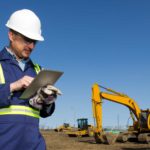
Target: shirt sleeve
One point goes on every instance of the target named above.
(5, 95)
(47, 110)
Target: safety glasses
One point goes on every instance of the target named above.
(26, 40)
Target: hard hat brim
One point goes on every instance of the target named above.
(27, 34)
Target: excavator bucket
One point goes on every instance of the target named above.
(111, 138)
(106, 138)
(100, 137)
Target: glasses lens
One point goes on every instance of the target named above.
(29, 41)
(25, 39)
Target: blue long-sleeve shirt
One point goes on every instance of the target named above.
(13, 72)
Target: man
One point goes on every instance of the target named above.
(19, 119)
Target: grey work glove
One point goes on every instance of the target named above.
(45, 95)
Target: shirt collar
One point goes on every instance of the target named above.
(14, 56)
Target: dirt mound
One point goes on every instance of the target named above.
(60, 141)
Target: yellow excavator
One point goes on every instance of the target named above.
(83, 129)
(140, 130)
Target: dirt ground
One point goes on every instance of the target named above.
(60, 141)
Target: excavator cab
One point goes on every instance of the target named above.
(82, 123)
(145, 120)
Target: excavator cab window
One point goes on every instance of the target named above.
(66, 125)
(143, 119)
(82, 123)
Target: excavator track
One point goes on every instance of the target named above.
(122, 138)
(144, 138)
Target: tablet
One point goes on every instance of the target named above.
(44, 78)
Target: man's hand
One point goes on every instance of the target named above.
(44, 96)
(36, 101)
(24, 82)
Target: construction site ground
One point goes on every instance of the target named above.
(61, 141)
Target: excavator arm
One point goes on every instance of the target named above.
(97, 108)
(124, 100)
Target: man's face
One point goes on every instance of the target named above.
(21, 45)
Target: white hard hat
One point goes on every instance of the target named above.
(27, 23)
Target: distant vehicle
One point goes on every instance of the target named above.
(63, 128)
(84, 129)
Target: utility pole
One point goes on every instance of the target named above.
(118, 121)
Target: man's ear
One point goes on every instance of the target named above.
(10, 36)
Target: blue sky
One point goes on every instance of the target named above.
(100, 41)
